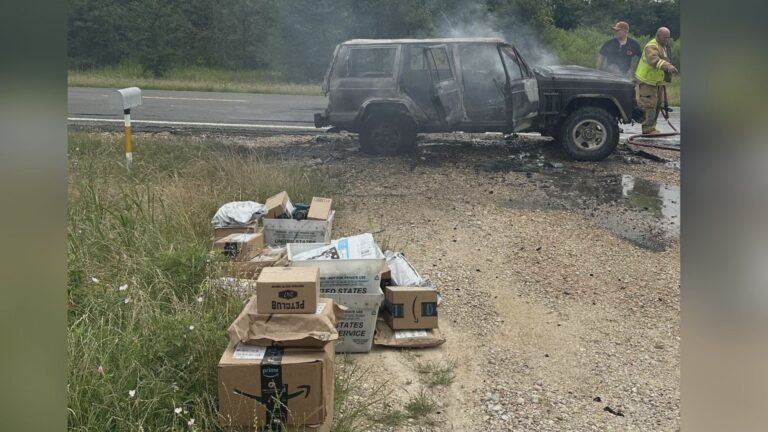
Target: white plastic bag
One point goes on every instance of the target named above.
(237, 213)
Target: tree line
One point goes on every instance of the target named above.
(297, 37)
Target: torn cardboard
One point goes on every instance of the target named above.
(319, 208)
(269, 257)
(410, 308)
(288, 290)
(240, 247)
(221, 232)
(423, 338)
(276, 386)
(279, 206)
(298, 330)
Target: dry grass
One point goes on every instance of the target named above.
(191, 78)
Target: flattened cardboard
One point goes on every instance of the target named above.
(319, 208)
(288, 290)
(409, 308)
(240, 247)
(278, 205)
(221, 232)
(296, 330)
(422, 338)
(265, 385)
(268, 257)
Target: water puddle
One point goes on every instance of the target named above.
(641, 211)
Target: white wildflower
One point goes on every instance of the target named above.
(123, 287)
(127, 300)
(177, 410)
(191, 327)
(101, 370)
(191, 422)
(131, 393)
(94, 280)
(200, 299)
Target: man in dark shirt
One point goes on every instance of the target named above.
(620, 54)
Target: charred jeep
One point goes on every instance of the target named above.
(387, 91)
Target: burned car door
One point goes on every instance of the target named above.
(522, 90)
(446, 95)
(482, 79)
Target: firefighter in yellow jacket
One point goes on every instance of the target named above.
(650, 75)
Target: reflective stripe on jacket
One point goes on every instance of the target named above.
(650, 68)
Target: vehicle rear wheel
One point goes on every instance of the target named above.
(590, 134)
(388, 133)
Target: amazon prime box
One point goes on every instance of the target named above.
(409, 308)
(276, 386)
(288, 290)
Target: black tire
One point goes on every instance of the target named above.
(387, 133)
(589, 134)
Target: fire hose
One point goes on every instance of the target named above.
(665, 110)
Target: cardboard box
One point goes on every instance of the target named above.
(288, 290)
(269, 257)
(221, 232)
(342, 276)
(295, 330)
(385, 276)
(278, 205)
(409, 308)
(276, 385)
(280, 232)
(421, 338)
(319, 209)
(240, 247)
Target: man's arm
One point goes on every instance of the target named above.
(633, 66)
(600, 62)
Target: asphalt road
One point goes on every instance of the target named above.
(187, 109)
(231, 112)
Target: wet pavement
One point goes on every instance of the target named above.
(644, 212)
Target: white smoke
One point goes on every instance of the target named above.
(475, 21)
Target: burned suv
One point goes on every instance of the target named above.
(390, 90)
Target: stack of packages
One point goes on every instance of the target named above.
(409, 313)
(286, 222)
(349, 274)
(250, 248)
(237, 235)
(278, 371)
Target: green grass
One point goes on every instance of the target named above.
(145, 329)
(436, 373)
(195, 78)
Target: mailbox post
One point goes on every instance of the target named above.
(124, 100)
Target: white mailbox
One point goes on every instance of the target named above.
(125, 99)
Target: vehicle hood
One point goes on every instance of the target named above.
(579, 73)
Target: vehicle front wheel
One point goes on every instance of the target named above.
(590, 134)
(388, 134)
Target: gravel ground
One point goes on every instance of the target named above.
(561, 279)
